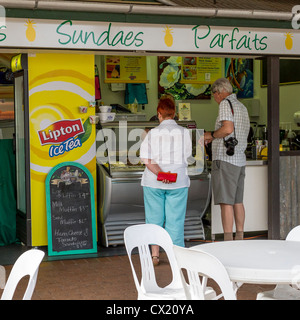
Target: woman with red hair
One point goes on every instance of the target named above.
(166, 148)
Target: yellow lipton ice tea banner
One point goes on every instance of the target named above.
(58, 85)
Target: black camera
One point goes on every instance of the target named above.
(230, 144)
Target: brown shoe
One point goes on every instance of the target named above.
(155, 261)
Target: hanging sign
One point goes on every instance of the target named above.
(201, 70)
(134, 37)
(125, 69)
(71, 217)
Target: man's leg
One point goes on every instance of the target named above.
(239, 209)
(227, 215)
(239, 217)
(228, 187)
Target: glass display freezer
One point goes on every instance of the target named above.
(119, 171)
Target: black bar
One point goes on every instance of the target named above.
(273, 148)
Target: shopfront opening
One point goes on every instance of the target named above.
(204, 42)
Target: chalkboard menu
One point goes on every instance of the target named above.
(70, 210)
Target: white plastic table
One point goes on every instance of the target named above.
(258, 261)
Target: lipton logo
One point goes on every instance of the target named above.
(60, 131)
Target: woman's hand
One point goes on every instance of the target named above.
(166, 180)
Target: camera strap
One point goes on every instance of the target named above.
(233, 115)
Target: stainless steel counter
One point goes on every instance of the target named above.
(255, 200)
(121, 204)
(248, 163)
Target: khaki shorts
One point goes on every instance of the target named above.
(227, 182)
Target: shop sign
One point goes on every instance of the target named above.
(62, 136)
(93, 35)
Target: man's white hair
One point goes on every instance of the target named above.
(222, 85)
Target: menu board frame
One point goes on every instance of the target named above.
(85, 212)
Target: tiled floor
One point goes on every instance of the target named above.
(100, 278)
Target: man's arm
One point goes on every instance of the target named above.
(226, 129)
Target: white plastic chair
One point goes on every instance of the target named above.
(294, 234)
(141, 237)
(27, 264)
(199, 263)
(283, 291)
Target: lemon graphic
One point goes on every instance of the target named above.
(30, 32)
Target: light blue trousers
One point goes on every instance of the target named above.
(167, 209)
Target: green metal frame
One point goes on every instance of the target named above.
(93, 213)
(145, 18)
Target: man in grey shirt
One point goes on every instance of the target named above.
(228, 171)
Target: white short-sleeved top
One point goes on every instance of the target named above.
(169, 145)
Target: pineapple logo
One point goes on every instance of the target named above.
(289, 41)
(30, 32)
(168, 37)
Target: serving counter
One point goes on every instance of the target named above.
(119, 172)
(255, 200)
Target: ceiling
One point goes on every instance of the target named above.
(259, 10)
(266, 5)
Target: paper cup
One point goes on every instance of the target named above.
(83, 109)
(105, 109)
(92, 103)
(93, 119)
